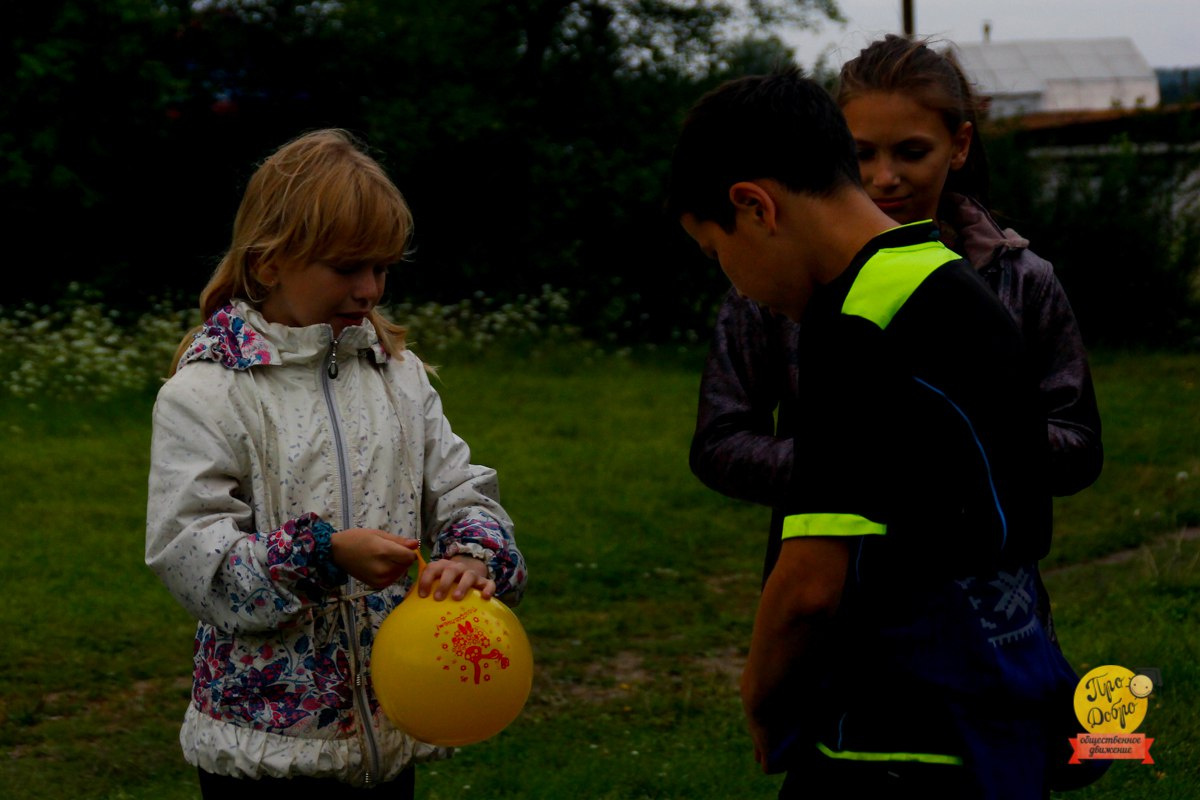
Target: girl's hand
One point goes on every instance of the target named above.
(375, 557)
(460, 574)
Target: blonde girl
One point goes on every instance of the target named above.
(300, 458)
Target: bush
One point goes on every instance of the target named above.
(476, 323)
(1121, 224)
(81, 349)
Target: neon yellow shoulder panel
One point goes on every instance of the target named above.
(890, 277)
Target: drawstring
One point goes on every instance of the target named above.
(330, 608)
(327, 608)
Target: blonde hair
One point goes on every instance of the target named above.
(320, 197)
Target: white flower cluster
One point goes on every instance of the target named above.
(79, 349)
(475, 324)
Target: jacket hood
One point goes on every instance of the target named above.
(970, 230)
(238, 337)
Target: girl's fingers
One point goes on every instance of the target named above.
(452, 583)
(445, 579)
(466, 582)
(487, 589)
(470, 580)
(429, 576)
(402, 552)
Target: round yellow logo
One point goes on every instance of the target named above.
(1110, 699)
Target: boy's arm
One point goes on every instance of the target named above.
(799, 599)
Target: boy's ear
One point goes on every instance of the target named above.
(754, 202)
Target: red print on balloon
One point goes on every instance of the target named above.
(470, 644)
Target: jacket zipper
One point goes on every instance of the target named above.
(349, 617)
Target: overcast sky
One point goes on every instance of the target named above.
(1167, 32)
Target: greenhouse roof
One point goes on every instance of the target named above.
(1027, 66)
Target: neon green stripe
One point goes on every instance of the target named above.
(830, 525)
(923, 758)
(890, 277)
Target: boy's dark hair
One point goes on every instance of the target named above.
(781, 126)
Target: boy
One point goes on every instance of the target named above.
(895, 648)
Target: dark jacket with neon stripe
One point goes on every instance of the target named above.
(751, 369)
(741, 450)
(918, 408)
(924, 444)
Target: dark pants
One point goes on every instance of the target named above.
(221, 787)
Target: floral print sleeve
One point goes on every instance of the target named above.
(300, 552)
(489, 541)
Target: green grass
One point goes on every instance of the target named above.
(1151, 478)
(1144, 612)
(643, 586)
(91, 645)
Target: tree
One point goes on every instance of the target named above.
(1117, 211)
(79, 126)
(556, 128)
(531, 137)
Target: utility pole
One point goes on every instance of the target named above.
(910, 29)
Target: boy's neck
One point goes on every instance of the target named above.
(838, 227)
(810, 240)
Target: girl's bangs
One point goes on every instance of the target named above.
(367, 221)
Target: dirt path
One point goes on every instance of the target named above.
(1123, 556)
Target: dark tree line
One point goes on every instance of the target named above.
(1115, 206)
(531, 138)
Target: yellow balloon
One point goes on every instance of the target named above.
(451, 672)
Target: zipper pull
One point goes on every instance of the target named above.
(332, 368)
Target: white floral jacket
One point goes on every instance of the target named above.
(259, 445)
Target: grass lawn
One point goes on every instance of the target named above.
(643, 586)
